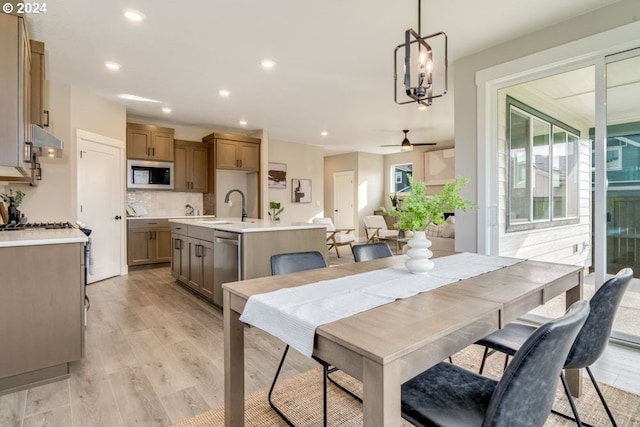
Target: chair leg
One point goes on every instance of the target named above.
(484, 359)
(604, 403)
(340, 386)
(506, 362)
(571, 403)
(273, 384)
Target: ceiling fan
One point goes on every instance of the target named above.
(406, 145)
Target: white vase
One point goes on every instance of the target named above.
(419, 254)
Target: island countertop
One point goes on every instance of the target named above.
(234, 225)
(41, 237)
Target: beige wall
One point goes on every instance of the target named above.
(71, 108)
(305, 162)
(605, 30)
(368, 193)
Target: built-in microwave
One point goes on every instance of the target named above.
(147, 175)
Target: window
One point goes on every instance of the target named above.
(542, 169)
(400, 177)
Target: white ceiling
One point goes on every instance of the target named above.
(334, 59)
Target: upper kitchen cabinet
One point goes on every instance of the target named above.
(39, 113)
(236, 152)
(191, 166)
(149, 142)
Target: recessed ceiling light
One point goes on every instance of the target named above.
(166, 110)
(113, 66)
(130, 97)
(243, 122)
(267, 64)
(133, 15)
(324, 133)
(224, 93)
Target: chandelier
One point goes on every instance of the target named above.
(419, 56)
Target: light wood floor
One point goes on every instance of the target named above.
(154, 356)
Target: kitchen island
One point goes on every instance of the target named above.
(42, 305)
(209, 252)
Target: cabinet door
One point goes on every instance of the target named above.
(179, 257)
(195, 264)
(162, 146)
(37, 82)
(199, 169)
(139, 249)
(206, 266)
(181, 168)
(138, 144)
(162, 244)
(249, 156)
(226, 154)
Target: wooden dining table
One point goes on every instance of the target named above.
(390, 344)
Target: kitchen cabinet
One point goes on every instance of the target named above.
(148, 241)
(15, 101)
(39, 114)
(235, 152)
(191, 166)
(148, 142)
(179, 253)
(41, 313)
(192, 258)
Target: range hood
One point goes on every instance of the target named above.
(46, 144)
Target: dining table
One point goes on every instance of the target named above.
(385, 346)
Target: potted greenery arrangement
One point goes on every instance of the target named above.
(419, 210)
(13, 201)
(275, 210)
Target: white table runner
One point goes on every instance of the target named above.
(292, 314)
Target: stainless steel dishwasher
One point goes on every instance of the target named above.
(227, 259)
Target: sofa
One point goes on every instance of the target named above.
(442, 236)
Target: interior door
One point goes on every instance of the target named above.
(100, 202)
(343, 203)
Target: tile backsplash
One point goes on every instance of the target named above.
(165, 203)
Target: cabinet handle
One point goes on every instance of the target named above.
(199, 251)
(148, 151)
(46, 113)
(177, 244)
(153, 151)
(240, 162)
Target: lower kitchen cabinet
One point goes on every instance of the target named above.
(148, 241)
(192, 258)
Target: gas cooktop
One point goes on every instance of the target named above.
(36, 226)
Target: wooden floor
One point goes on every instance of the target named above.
(154, 356)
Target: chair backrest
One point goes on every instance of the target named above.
(525, 394)
(296, 261)
(327, 222)
(375, 221)
(594, 336)
(371, 251)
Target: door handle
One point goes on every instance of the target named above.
(118, 217)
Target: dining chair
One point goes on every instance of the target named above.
(588, 346)
(369, 251)
(376, 228)
(291, 263)
(336, 236)
(448, 395)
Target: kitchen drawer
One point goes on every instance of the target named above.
(202, 233)
(133, 224)
(179, 229)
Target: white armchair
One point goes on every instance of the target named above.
(376, 228)
(336, 236)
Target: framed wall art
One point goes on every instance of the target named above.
(300, 190)
(277, 175)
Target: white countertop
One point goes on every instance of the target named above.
(234, 225)
(41, 237)
(169, 217)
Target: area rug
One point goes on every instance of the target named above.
(300, 397)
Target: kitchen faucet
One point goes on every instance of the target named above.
(244, 210)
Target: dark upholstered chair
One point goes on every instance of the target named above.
(371, 251)
(290, 263)
(448, 395)
(590, 343)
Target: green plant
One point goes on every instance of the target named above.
(419, 209)
(275, 209)
(17, 198)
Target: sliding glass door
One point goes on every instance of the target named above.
(622, 189)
